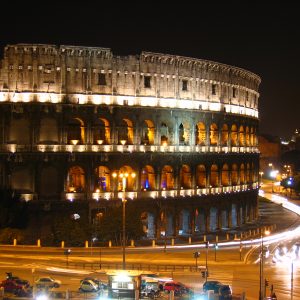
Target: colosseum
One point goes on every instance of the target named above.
(174, 136)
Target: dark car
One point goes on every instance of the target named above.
(225, 292)
(212, 285)
(98, 282)
(18, 287)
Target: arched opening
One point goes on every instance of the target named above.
(148, 223)
(199, 220)
(234, 135)
(252, 136)
(147, 179)
(242, 174)
(200, 134)
(214, 176)
(164, 134)
(148, 133)
(247, 136)
(225, 175)
(75, 180)
(224, 135)
(185, 177)
(124, 179)
(184, 222)
(181, 134)
(248, 173)
(213, 134)
(224, 219)
(102, 132)
(201, 176)
(213, 224)
(76, 131)
(241, 136)
(102, 179)
(48, 131)
(167, 178)
(125, 132)
(233, 215)
(234, 174)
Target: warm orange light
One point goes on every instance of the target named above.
(123, 142)
(99, 142)
(114, 174)
(74, 142)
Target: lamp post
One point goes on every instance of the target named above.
(260, 176)
(206, 267)
(123, 177)
(261, 264)
(67, 252)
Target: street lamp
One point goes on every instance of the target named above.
(67, 252)
(261, 173)
(261, 264)
(206, 271)
(124, 177)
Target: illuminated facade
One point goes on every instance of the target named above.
(186, 128)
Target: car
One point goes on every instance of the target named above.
(18, 287)
(177, 287)
(211, 285)
(47, 282)
(225, 292)
(97, 281)
(88, 286)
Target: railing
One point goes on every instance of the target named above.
(13, 148)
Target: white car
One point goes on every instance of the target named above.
(88, 286)
(47, 282)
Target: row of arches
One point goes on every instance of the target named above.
(103, 131)
(199, 220)
(149, 178)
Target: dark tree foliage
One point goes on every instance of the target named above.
(110, 227)
(292, 183)
(13, 211)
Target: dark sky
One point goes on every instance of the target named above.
(261, 37)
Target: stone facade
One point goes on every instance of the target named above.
(176, 135)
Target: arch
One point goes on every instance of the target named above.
(167, 178)
(248, 173)
(224, 135)
(224, 219)
(233, 215)
(148, 224)
(213, 219)
(234, 135)
(148, 133)
(241, 136)
(201, 176)
(164, 134)
(75, 180)
(181, 134)
(48, 130)
(124, 178)
(225, 175)
(49, 186)
(247, 136)
(234, 174)
(199, 220)
(213, 134)
(184, 222)
(200, 134)
(214, 176)
(185, 177)
(76, 131)
(102, 131)
(22, 180)
(19, 132)
(125, 132)
(242, 174)
(102, 179)
(147, 178)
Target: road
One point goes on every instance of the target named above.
(242, 275)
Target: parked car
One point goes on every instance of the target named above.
(177, 287)
(47, 282)
(225, 292)
(211, 285)
(97, 281)
(88, 286)
(16, 286)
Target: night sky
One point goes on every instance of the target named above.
(262, 38)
